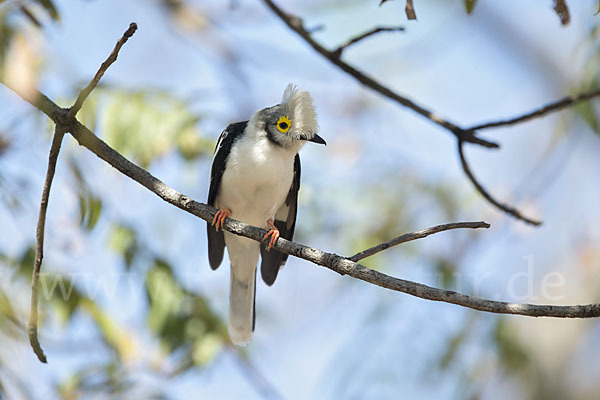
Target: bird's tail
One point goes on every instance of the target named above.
(242, 294)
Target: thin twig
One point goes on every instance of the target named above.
(504, 207)
(416, 235)
(39, 249)
(365, 35)
(334, 262)
(61, 121)
(111, 59)
(558, 105)
(295, 23)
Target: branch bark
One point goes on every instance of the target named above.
(334, 262)
(63, 120)
(66, 122)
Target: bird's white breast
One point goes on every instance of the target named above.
(256, 180)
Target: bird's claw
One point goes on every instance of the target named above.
(219, 218)
(273, 233)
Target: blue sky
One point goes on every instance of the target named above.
(320, 335)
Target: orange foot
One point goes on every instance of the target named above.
(273, 232)
(220, 217)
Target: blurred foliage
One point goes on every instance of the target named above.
(183, 320)
(392, 217)
(145, 125)
(110, 380)
(90, 204)
(4, 144)
(512, 354)
(456, 341)
(187, 329)
(123, 240)
(7, 31)
(590, 79)
(470, 5)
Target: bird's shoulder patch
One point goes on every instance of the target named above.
(222, 150)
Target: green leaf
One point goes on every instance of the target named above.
(112, 333)
(123, 240)
(470, 5)
(50, 8)
(512, 354)
(587, 112)
(6, 35)
(445, 270)
(182, 320)
(25, 262)
(90, 207)
(147, 126)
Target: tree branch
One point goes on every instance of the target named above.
(63, 120)
(111, 59)
(356, 39)
(504, 207)
(334, 262)
(66, 122)
(295, 23)
(558, 105)
(462, 134)
(414, 236)
(39, 249)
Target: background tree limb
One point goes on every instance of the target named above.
(463, 135)
(66, 122)
(334, 262)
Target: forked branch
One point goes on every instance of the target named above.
(66, 122)
(463, 135)
(63, 120)
(334, 262)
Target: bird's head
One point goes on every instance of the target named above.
(292, 122)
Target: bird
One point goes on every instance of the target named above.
(255, 178)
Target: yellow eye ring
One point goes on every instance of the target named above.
(284, 124)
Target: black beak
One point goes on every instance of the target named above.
(318, 139)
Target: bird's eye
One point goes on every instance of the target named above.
(284, 124)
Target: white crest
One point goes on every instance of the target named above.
(298, 104)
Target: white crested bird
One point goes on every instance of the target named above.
(254, 178)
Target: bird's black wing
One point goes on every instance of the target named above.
(285, 221)
(216, 240)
